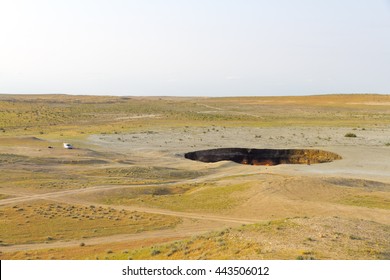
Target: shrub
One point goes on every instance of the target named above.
(350, 135)
(155, 252)
(354, 237)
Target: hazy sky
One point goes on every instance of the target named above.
(195, 47)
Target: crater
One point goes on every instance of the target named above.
(264, 156)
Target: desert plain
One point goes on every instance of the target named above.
(126, 191)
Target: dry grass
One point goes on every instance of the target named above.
(77, 116)
(48, 222)
(141, 174)
(87, 252)
(296, 238)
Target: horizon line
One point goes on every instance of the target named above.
(194, 96)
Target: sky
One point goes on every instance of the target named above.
(195, 47)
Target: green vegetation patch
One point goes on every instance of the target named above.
(271, 226)
(370, 201)
(204, 197)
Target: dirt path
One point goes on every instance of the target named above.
(48, 196)
(195, 223)
(65, 197)
(196, 216)
(180, 232)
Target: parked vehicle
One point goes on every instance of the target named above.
(68, 146)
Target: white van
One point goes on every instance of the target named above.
(68, 146)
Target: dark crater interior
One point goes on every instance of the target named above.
(264, 156)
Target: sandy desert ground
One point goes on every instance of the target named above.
(127, 192)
